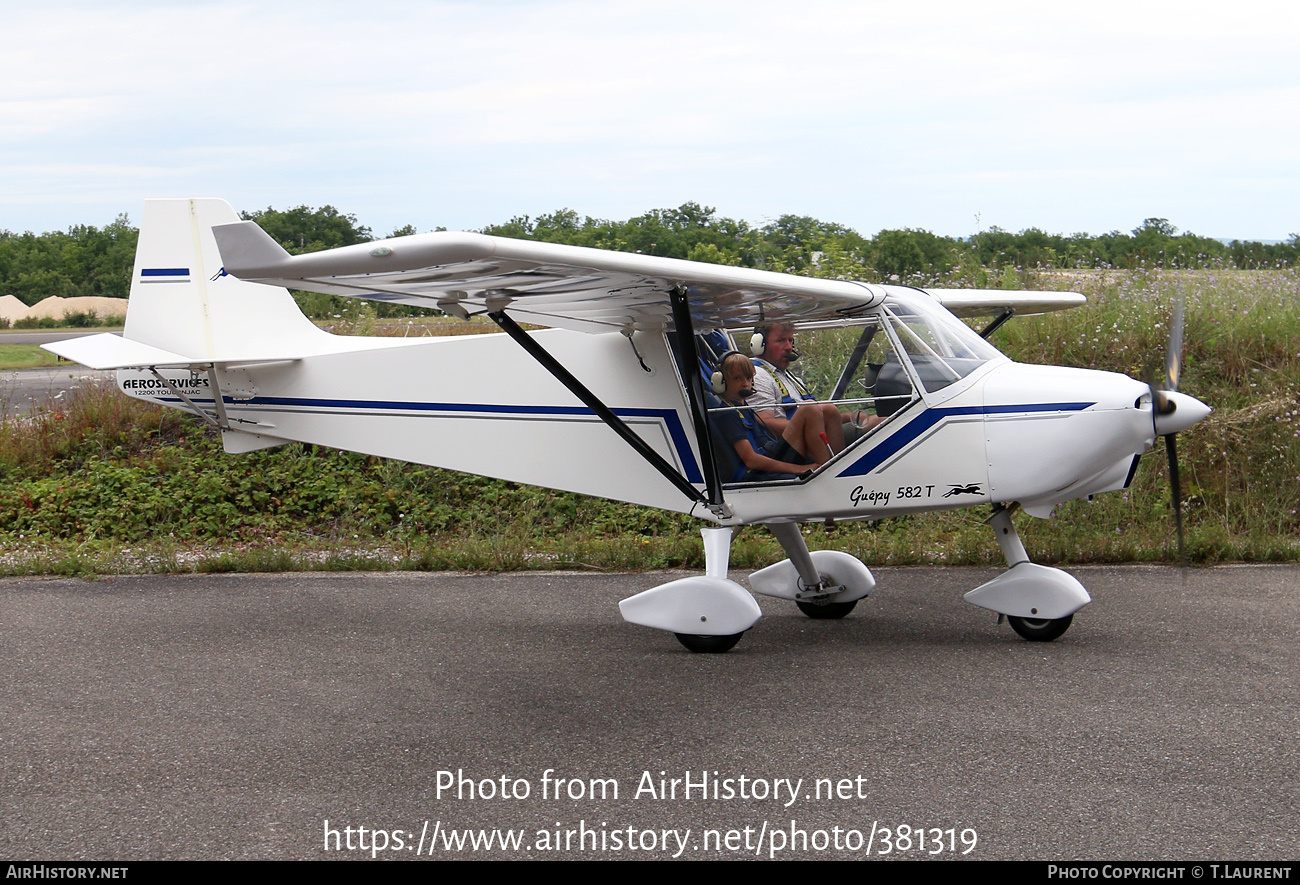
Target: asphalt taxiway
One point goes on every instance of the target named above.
(22, 390)
(232, 716)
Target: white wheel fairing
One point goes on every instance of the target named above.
(697, 606)
(1032, 591)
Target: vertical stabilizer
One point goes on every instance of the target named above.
(182, 300)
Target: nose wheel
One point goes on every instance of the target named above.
(1040, 629)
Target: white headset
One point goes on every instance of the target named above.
(716, 381)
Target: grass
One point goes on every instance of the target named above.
(99, 483)
(115, 324)
(25, 356)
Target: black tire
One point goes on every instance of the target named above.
(826, 612)
(1040, 629)
(709, 645)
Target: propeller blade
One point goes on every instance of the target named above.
(1174, 352)
(1171, 449)
(1161, 402)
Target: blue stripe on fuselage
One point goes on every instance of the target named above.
(676, 431)
(929, 418)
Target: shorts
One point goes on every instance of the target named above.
(780, 450)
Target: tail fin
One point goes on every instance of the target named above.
(183, 302)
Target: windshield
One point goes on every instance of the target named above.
(940, 347)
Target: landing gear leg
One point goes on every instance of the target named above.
(796, 548)
(825, 584)
(1008, 539)
(1039, 602)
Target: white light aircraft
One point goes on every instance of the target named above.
(611, 400)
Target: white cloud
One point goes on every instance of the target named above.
(874, 114)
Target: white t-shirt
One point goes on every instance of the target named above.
(767, 393)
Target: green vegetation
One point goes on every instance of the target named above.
(83, 261)
(101, 483)
(799, 244)
(25, 356)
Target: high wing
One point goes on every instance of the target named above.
(589, 290)
(983, 302)
(571, 287)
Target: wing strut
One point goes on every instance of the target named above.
(591, 401)
(997, 322)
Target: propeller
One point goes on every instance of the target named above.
(1173, 411)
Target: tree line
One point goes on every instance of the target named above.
(86, 260)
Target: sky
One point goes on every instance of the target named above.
(950, 117)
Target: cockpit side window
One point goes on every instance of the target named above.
(855, 367)
(848, 371)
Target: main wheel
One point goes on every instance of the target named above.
(826, 611)
(709, 644)
(1040, 629)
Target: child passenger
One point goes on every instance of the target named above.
(800, 448)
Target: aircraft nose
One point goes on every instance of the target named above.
(1186, 411)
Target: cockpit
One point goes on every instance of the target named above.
(870, 367)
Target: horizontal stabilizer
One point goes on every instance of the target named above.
(109, 351)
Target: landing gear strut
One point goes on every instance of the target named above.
(825, 584)
(1040, 602)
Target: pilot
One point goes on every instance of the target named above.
(778, 393)
(759, 450)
